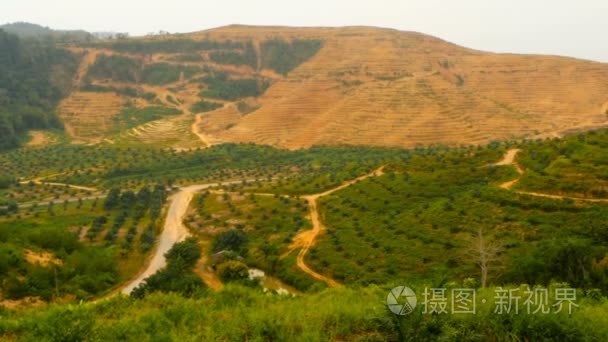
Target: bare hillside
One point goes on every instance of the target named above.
(382, 87)
(368, 86)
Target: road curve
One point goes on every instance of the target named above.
(510, 159)
(174, 230)
(307, 239)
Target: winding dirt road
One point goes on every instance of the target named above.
(174, 230)
(510, 158)
(306, 240)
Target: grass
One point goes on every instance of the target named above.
(237, 313)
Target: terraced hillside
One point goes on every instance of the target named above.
(298, 87)
(382, 87)
(88, 116)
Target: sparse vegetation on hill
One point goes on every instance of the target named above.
(162, 73)
(125, 91)
(125, 69)
(167, 45)
(222, 87)
(283, 56)
(247, 57)
(204, 106)
(114, 67)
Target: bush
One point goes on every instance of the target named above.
(232, 240)
(233, 270)
(177, 276)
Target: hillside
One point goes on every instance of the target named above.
(34, 77)
(298, 87)
(383, 87)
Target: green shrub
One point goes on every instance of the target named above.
(232, 270)
(177, 276)
(204, 106)
(232, 240)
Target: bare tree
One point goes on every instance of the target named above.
(486, 254)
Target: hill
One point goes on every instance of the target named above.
(28, 30)
(298, 87)
(370, 86)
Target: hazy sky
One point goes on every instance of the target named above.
(577, 28)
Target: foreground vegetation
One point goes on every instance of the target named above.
(419, 223)
(239, 313)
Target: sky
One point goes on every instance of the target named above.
(575, 28)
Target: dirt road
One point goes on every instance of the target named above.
(307, 239)
(510, 159)
(173, 232)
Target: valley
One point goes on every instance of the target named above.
(276, 183)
